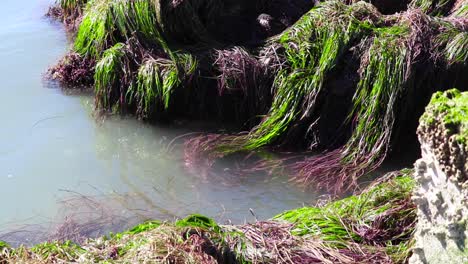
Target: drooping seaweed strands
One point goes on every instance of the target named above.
(384, 81)
(110, 82)
(156, 82)
(94, 29)
(456, 44)
(394, 45)
(312, 48)
(438, 7)
(153, 64)
(460, 9)
(372, 117)
(107, 22)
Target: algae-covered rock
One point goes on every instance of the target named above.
(444, 129)
(441, 173)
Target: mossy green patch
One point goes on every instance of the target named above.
(200, 221)
(450, 108)
(140, 228)
(149, 225)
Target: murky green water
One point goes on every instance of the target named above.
(54, 155)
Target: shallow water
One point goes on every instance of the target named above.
(54, 155)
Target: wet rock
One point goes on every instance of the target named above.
(442, 192)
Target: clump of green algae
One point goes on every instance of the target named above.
(450, 108)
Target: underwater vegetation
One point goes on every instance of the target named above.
(374, 226)
(346, 79)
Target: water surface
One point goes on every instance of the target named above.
(57, 161)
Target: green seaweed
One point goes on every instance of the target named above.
(108, 76)
(152, 23)
(450, 108)
(384, 210)
(334, 221)
(3, 245)
(64, 250)
(95, 28)
(381, 84)
(462, 10)
(146, 226)
(145, 78)
(156, 82)
(107, 22)
(312, 46)
(457, 49)
(434, 7)
(200, 221)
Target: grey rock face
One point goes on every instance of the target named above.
(441, 194)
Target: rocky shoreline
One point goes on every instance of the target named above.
(142, 60)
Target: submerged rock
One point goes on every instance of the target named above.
(441, 173)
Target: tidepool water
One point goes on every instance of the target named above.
(58, 162)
